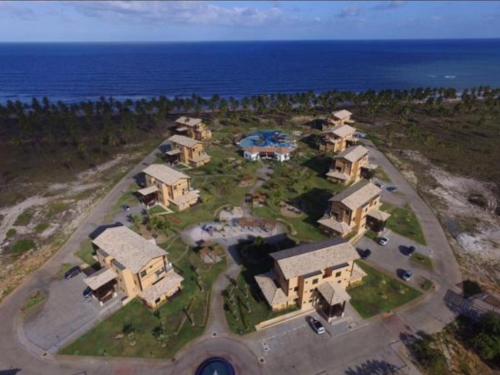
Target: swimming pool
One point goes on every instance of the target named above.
(215, 366)
(267, 139)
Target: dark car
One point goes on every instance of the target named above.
(366, 253)
(72, 272)
(410, 250)
(406, 275)
(87, 293)
(391, 188)
(316, 325)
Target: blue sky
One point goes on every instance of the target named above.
(245, 20)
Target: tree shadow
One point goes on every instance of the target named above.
(12, 371)
(311, 140)
(373, 367)
(319, 164)
(313, 203)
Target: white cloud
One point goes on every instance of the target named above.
(181, 12)
(12, 9)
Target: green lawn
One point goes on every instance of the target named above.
(421, 260)
(86, 254)
(136, 331)
(404, 222)
(379, 293)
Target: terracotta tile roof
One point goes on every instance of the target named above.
(357, 195)
(183, 141)
(338, 226)
(343, 131)
(353, 153)
(343, 114)
(188, 121)
(166, 286)
(304, 259)
(165, 174)
(272, 293)
(127, 247)
(100, 278)
(333, 293)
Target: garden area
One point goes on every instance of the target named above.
(244, 304)
(379, 293)
(136, 331)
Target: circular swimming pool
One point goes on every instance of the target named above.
(215, 366)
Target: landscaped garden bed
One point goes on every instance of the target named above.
(136, 331)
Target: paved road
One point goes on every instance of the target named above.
(362, 350)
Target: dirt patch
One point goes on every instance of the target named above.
(472, 223)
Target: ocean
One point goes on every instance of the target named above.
(85, 71)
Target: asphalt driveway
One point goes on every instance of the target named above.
(65, 315)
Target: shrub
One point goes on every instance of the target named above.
(23, 246)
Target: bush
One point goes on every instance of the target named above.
(428, 356)
(23, 246)
(486, 341)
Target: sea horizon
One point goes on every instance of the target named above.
(79, 71)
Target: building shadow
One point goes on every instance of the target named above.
(12, 371)
(101, 228)
(313, 203)
(319, 164)
(373, 367)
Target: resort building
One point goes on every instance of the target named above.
(167, 186)
(337, 139)
(193, 128)
(355, 210)
(312, 276)
(350, 165)
(132, 267)
(339, 118)
(267, 145)
(187, 151)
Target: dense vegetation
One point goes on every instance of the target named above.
(50, 140)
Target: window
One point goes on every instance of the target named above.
(338, 274)
(315, 281)
(296, 289)
(143, 273)
(157, 300)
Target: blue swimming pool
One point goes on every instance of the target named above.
(267, 138)
(215, 366)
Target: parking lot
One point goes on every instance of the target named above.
(392, 257)
(65, 315)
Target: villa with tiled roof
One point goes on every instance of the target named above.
(193, 128)
(186, 150)
(349, 165)
(354, 210)
(311, 276)
(132, 267)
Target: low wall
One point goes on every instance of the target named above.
(282, 318)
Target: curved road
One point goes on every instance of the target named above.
(431, 314)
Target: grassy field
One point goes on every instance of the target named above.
(379, 293)
(404, 222)
(86, 254)
(136, 331)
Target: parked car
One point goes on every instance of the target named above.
(366, 253)
(382, 241)
(406, 275)
(316, 325)
(72, 272)
(391, 188)
(87, 293)
(126, 207)
(409, 250)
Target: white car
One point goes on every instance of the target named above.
(382, 241)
